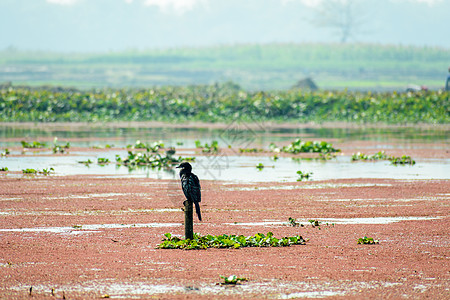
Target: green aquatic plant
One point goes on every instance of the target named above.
(153, 147)
(86, 162)
(33, 145)
(229, 241)
(260, 166)
(151, 159)
(60, 148)
(293, 222)
(315, 223)
(206, 148)
(403, 160)
(299, 146)
(232, 280)
(303, 175)
(367, 241)
(5, 152)
(219, 102)
(103, 161)
(34, 171)
(250, 150)
(3, 169)
(381, 155)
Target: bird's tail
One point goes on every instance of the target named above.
(197, 210)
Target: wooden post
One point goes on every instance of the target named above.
(188, 220)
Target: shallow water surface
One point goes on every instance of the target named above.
(236, 168)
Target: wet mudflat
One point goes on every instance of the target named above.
(91, 236)
(88, 235)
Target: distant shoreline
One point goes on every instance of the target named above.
(221, 125)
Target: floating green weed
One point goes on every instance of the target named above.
(206, 148)
(293, 222)
(103, 161)
(381, 155)
(403, 160)
(315, 223)
(299, 146)
(33, 145)
(232, 279)
(153, 147)
(3, 169)
(219, 102)
(250, 150)
(153, 160)
(367, 241)
(303, 175)
(229, 241)
(34, 171)
(5, 152)
(86, 162)
(260, 166)
(60, 148)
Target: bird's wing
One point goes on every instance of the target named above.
(191, 188)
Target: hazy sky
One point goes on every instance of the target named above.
(110, 25)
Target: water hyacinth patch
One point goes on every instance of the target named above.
(232, 279)
(206, 148)
(5, 152)
(34, 171)
(33, 145)
(195, 103)
(303, 175)
(229, 241)
(153, 160)
(299, 146)
(367, 241)
(381, 155)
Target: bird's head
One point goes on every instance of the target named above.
(185, 166)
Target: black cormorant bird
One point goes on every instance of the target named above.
(191, 186)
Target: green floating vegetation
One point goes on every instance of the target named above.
(103, 161)
(153, 147)
(86, 162)
(229, 241)
(250, 150)
(150, 159)
(381, 155)
(3, 169)
(315, 223)
(303, 175)
(299, 146)
(367, 241)
(33, 145)
(232, 280)
(260, 166)
(206, 148)
(219, 103)
(5, 152)
(34, 171)
(293, 222)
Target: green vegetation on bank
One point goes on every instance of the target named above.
(219, 102)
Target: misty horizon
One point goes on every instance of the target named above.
(121, 25)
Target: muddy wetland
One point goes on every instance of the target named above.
(85, 208)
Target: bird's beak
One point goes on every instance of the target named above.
(177, 167)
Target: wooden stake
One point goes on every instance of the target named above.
(188, 220)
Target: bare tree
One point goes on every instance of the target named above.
(344, 16)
